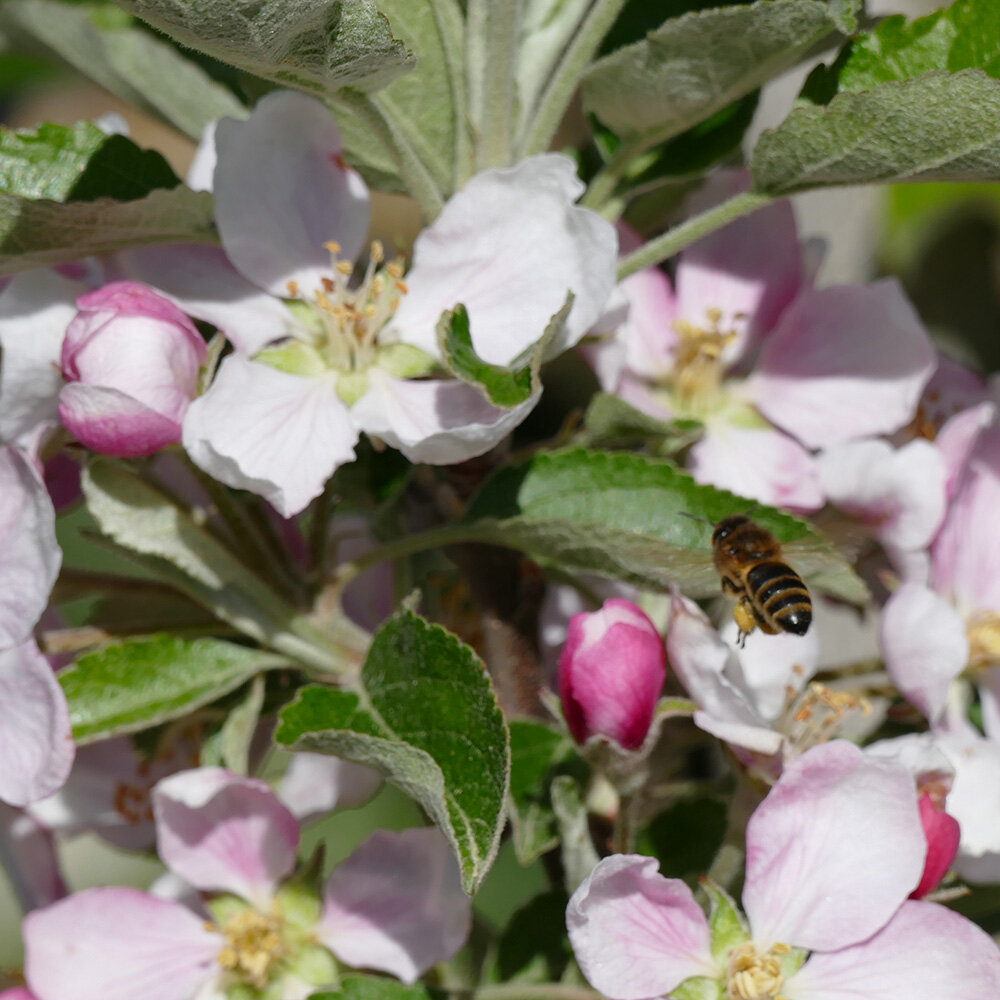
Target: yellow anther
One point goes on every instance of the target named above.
(332, 246)
(377, 251)
(254, 946)
(344, 267)
(293, 289)
(394, 269)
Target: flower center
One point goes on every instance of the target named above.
(255, 944)
(350, 314)
(984, 640)
(818, 713)
(753, 976)
(698, 367)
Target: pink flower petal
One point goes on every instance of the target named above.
(773, 665)
(957, 437)
(635, 933)
(515, 228)
(221, 831)
(764, 464)
(711, 675)
(117, 944)
(35, 309)
(434, 421)
(899, 493)
(203, 282)
(751, 269)
(396, 904)
(282, 191)
(611, 673)
(36, 740)
(924, 646)
(278, 435)
(966, 551)
(926, 952)
(943, 835)
(109, 790)
(35, 869)
(833, 850)
(844, 362)
(113, 423)
(316, 784)
(31, 556)
(648, 333)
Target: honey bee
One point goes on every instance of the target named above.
(770, 594)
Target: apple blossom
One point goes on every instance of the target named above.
(343, 358)
(36, 742)
(832, 854)
(395, 905)
(751, 697)
(131, 360)
(611, 672)
(932, 632)
(772, 367)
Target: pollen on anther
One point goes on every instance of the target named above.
(345, 267)
(328, 285)
(293, 289)
(332, 246)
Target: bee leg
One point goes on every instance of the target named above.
(746, 619)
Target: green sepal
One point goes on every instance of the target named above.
(294, 357)
(404, 360)
(726, 924)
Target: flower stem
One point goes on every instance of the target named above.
(407, 545)
(557, 95)
(686, 233)
(493, 27)
(412, 168)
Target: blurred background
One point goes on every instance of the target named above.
(942, 241)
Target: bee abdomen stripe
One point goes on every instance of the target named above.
(784, 604)
(786, 585)
(765, 573)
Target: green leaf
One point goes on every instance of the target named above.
(686, 836)
(634, 518)
(942, 126)
(141, 683)
(427, 718)
(315, 45)
(128, 61)
(692, 66)
(535, 752)
(578, 853)
(609, 420)
(78, 163)
(534, 947)
(239, 728)
(358, 987)
(46, 233)
(964, 36)
(144, 523)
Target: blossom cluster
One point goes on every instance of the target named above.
(241, 377)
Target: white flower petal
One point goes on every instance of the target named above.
(278, 435)
(438, 422)
(510, 246)
(282, 191)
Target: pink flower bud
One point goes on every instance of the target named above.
(943, 834)
(131, 360)
(611, 672)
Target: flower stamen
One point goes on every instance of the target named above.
(753, 976)
(254, 946)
